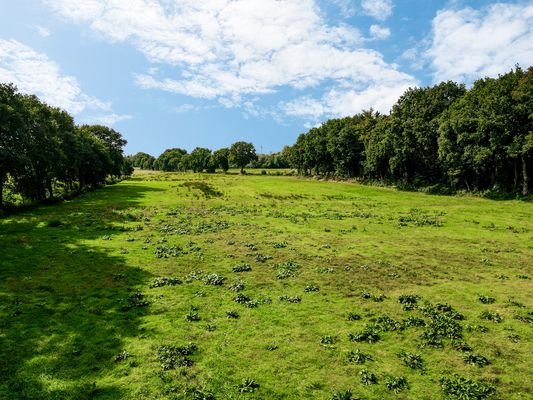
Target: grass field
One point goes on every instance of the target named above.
(277, 288)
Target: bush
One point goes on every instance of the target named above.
(369, 334)
(214, 279)
(396, 383)
(248, 385)
(358, 357)
(288, 269)
(411, 360)
(242, 268)
(458, 387)
(367, 377)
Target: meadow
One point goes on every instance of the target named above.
(222, 286)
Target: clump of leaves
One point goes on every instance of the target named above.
(408, 301)
(385, 323)
(214, 280)
(342, 395)
(122, 356)
(272, 347)
(353, 316)
(288, 269)
(414, 321)
(396, 383)
(411, 360)
(280, 245)
(242, 268)
(458, 387)
(134, 300)
(210, 327)
(328, 340)
(232, 314)
(461, 345)
(476, 359)
(358, 357)
(311, 288)
(164, 281)
(514, 338)
(237, 286)
(194, 276)
(487, 299)
(368, 334)
(367, 377)
(194, 393)
(443, 324)
(168, 251)
(193, 316)
(261, 258)
(172, 357)
(241, 298)
(290, 299)
(248, 385)
(491, 316)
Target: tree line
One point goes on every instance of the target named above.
(201, 159)
(44, 154)
(443, 137)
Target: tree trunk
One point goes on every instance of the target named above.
(525, 187)
(515, 181)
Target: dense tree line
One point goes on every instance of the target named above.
(444, 136)
(201, 159)
(42, 150)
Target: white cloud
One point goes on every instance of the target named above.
(379, 9)
(110, 119)
(469, 44)
(41, 30)
(35, 73)
(229, 50)
(338, 103)
(379, 32)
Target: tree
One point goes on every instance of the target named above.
(200, 159)
(114, 142)
(171, 160)
(221, 159)
(241, 154)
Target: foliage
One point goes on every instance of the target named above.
(241, 154)
(459, 387)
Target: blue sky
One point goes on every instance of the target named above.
(187, 73)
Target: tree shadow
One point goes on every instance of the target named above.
(62, 314)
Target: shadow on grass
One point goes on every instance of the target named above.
(61, 316)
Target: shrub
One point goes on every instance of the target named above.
(241, 268)
(328, 340)
(214, 279)
(487, 299)
(288, 269)
(123, 355)
(192, 316)
(342, 395)
(237, 286)
(385, 323)
(411, 360)
(367, 377)
(358, 357)
(476, 359)
(241, 298)
(458, 387)
(164, 281)
(290, 299)
(135, 300)
(248, 385)
(353, 316)
(491, 316)
(311, 288)
(396, 383)
(172, 357)
(232, 314)
(368, 334)
(408, 301)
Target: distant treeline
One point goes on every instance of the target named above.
(239, 155)
(442, 137)
(43, 153)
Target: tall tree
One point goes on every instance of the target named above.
(221, 159)
(241, 154)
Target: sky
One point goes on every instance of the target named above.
(208, 73)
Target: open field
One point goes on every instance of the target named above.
(283, 282)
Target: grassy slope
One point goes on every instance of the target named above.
(61, 288)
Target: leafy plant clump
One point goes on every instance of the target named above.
(476, 359)
(288, 269)
(459, 387)
(353, 316)
(369, 334)
(358, 357)
(291, 299)
(487, 299)
(172, 357)
(385, 323)
(214, 280)
(168, 251)
(491, 316)
(367, 377)
(237, 286)
(232, 314)
(328, 340)
(135, 300)
(408, 301)
(165, 281)
(342, 395)
(311, 288)
(411, 360)
(396, 383)
(248, 385)
(193, 316)
(122, 356)
(241, 268)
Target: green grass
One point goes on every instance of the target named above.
(83, 315)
